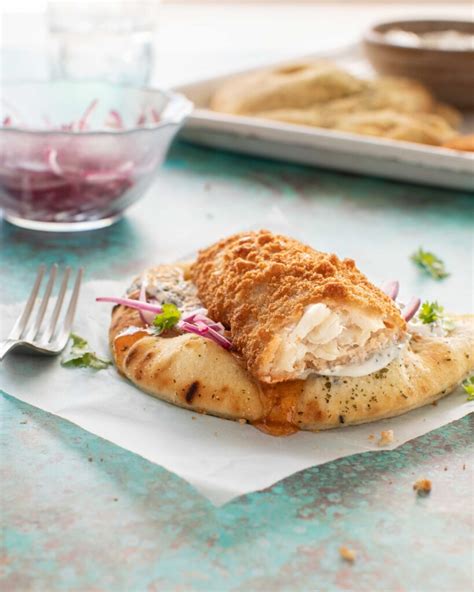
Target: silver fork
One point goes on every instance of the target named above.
(30, 332)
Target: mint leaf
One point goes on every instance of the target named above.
(79, 355)
(168, 318)
(430, 263)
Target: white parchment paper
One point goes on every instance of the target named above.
(221, 459)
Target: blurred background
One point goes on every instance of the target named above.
(174, 41)
(51, 175)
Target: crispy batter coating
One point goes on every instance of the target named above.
(258, 283)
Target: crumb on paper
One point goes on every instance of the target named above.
(445, 468)
(242, 421)
(347, 554)
(464, 467)
(372, 437)
(422, 486)
(386, 438)
(193, 417)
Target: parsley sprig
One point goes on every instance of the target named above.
(468, 386)
(168, 318)
(430, 263)
(433, 313)
(430, 312)
(79, 355)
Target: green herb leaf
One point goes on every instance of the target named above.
(80, 356)
(78, 341)
(430, 263)
(468, 386)
(430, 312)
(168, 318)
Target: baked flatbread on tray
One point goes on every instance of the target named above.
(261, 328)
(318, 93)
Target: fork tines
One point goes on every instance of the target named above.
(31, 325)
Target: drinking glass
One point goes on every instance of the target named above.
(108, 40)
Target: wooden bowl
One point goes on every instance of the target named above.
(449, 74)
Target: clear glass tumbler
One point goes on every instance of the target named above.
(108, 40)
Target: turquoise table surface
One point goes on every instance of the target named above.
(81, 514)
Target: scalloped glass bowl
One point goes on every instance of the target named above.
(76, 155)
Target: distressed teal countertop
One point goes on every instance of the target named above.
(82, 514)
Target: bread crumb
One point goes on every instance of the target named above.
(445, 468)
(347, 554)
(242, 421)
(385, 438)
(193, 417)
(371, 437)
(422, 486)
(464, 467)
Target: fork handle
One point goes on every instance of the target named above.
(6, 346)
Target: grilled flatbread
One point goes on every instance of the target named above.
(195, 373)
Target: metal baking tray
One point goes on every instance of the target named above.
(393, 159)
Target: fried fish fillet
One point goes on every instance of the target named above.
(195, 373)
(293, 311)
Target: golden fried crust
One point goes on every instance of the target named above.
(257, 283)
